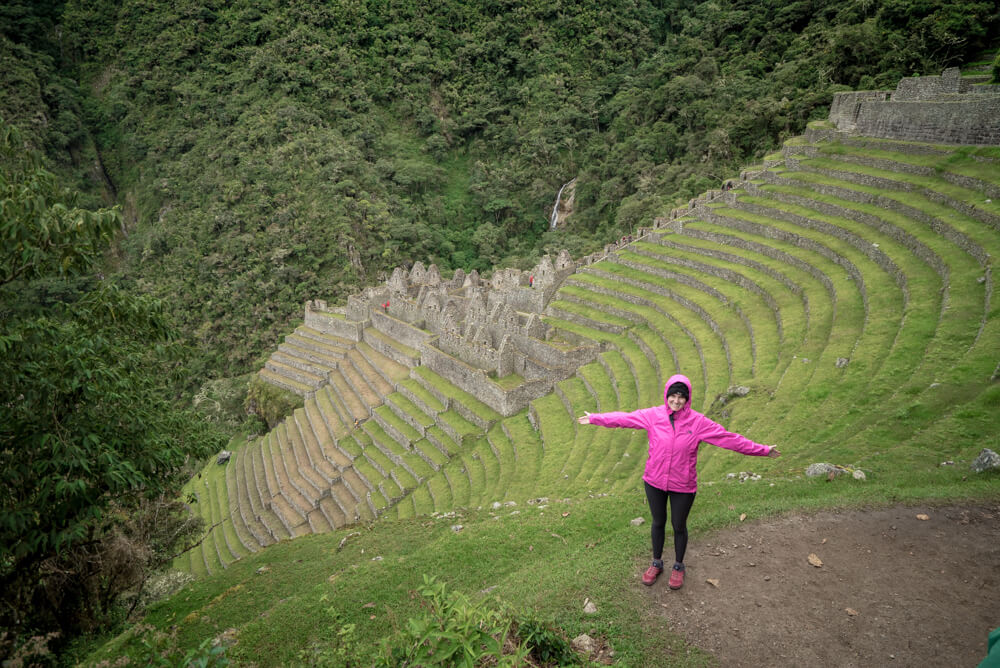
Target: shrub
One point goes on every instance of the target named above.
(223, 400)
(547, 643)
(161, 650)
(269, 402)
(456, 631)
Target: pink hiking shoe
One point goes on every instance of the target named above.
(676, 576)
(649, 577)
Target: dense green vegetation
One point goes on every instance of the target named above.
(269, 153)
(92, 448)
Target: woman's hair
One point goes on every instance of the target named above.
(679, 388)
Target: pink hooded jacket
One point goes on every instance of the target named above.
(673, 448)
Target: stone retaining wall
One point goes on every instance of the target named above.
(332, 321)
(552, 356)
(477, 383)
(907, 240)
(890, 184)
(796, 240)
(650, 355)
(946, 109)
(694, 307)
(419, 403)
(530, 299)
(393, 433)
(791, 285)
(530, 369)
(728, 276)
(379, 345)
(358, 391)
(621, 313)
(611, 377)
(737, 259)
(874, 253)
(989, 189)
(483, 356)
(556, 311)
(845, 107)
(876, 144)
(291, 372)
(768, 251)
(702, 314)
(399, 330)
(930, 87)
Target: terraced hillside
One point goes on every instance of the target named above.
(841, 295)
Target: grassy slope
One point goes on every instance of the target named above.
(536, 558)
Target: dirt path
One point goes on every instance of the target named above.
(893, 589)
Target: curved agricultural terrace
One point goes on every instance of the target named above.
(846, 284)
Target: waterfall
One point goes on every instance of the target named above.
(555, 209)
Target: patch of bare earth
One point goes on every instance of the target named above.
(893, 589)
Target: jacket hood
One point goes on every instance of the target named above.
(677, 378)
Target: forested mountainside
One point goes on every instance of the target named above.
(265, 153)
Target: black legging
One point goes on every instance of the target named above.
(680, 506)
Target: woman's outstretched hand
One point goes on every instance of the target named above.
(774, 452)
(584, 419)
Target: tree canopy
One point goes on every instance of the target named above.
(88, 428)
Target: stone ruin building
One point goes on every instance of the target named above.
(487, 337)
(947, 109)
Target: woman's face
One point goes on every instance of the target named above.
(675, 402)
